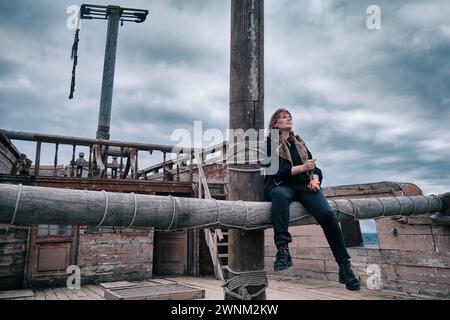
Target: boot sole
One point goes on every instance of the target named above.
(283, 267)
(349, 287)
(353, 288)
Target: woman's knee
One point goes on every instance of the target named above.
(325, 217)
(281, 193)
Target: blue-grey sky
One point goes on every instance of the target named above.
(372, 105)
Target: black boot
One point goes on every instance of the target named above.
(283, 258)
(347, 277)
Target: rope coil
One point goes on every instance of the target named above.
(242, 280)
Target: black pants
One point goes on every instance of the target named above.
(317, 205)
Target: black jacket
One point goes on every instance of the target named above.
(283, 176)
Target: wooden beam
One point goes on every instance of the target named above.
(40, 205)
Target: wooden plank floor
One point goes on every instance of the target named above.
(280, 288)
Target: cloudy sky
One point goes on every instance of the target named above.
(372, 105)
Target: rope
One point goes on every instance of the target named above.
(106, 209)
(218, 210)
(355, 209)
(173, 213)
(440, 201)
(237, 151)
(242, 280)
(415, 207)
(135, 211)
(74, 57)
(341, 211)
(17, 205)
(382, 204)
(246, 213)
(401, 206)
(429, 204)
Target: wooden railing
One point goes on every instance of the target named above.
(181, 162)
(101, 150)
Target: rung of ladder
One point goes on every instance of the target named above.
(223, 255)
(222, 244)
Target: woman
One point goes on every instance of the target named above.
(299, 179)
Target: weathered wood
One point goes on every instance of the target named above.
(172, 291)
(14, 294)
(27, 136)
(246, 249)
(38, 205)
(104, 117)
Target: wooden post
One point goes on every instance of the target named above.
(55, 162)
(104, 118)
(72, 167)
(37, 161)
(246, 248)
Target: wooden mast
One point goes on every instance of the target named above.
(246, 249)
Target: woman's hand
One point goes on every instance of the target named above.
(314, 184)
(309, 165)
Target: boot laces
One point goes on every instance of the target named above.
(347, 271)
(283, 255)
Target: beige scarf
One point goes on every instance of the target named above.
(283, 149)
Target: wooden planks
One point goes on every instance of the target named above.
(16, 294)
(155, 291)
(281, 287)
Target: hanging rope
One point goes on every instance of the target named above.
(74, 57)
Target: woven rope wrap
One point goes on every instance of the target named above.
(415, 207)
(17, 205)
(240, 149)
(401, 206)
(237, 286)
(135, 211)
(246, 212)
(173, 213)
(218, 211)
(106, 209)
(382, 205)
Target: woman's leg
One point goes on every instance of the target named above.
(318, 206)
(281, 197)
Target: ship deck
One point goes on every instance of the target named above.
(280, 288)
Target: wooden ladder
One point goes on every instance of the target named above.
(218, 239)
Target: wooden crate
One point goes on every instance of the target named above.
(172, 291)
